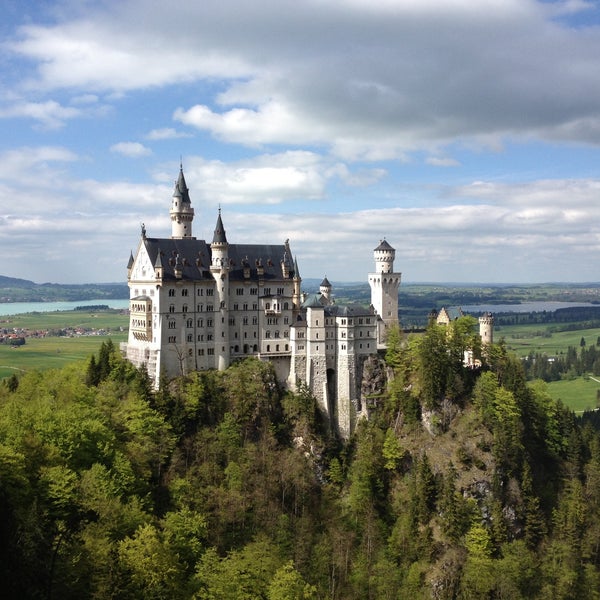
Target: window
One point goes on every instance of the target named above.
(280, 291)
(210, 351)
(172, 325)
(210, 292)
(254, 320)
(245, 306)
(236, 307)
(209, 308)
(231, 321)
(172, 339)
(184, 292)
(286, 320)
(201, 337)
(253, 291)
(185, 308)
(172, 308)
(239, 292)
(189, 323)
(267, 292)
(190, 337)
(200, 292)
(200, 351)
(267, 334)
(200, 322)
(245, 321)
(209, 322)
(209, 337)
(171, 293)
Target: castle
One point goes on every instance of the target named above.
(196, 305)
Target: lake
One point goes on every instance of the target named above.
(524, 307)
(18, 308)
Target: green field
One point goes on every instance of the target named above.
(523, 339)
(578, 394)
(56, 351)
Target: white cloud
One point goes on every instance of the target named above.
(370, 80)
(439, 161)
(131, 149)
(49, 114)
(166, 133)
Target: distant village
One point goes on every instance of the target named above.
(17, 336)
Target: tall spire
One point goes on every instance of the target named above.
(181, 188)
(182, 213)
(219, 236)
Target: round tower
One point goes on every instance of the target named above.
(384, 284)
(182, 213)
(220, 271)
(486, 329)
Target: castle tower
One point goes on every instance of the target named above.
(297, 293)
(220, 271)
(182, 213)
(384, 284)
(325, 290)
(486, 329)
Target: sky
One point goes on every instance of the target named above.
(466, 134)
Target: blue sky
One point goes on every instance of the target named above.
(465, 133)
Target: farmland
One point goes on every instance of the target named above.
(57, 338)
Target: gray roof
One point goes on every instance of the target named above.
(219, 236)
(196, 256)
(350, 310)
(383, 245)
(181, 188)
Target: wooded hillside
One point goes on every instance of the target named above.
(465, 483)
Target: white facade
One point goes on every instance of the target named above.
(198, 306)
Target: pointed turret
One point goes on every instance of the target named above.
(219, 236)
(297, 293)
(158, 265)
(182, 213)
(130, 265)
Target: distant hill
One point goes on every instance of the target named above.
(13, 289)
(14, 282)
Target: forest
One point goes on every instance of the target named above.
(464, 483)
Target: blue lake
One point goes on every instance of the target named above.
(18, 308)
(539, 306)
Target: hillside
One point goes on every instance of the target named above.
(22, 290)
(465, 483)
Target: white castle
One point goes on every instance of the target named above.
(196, 305)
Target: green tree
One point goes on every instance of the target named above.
(288, 584)
(392, 450)
(150, 567)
